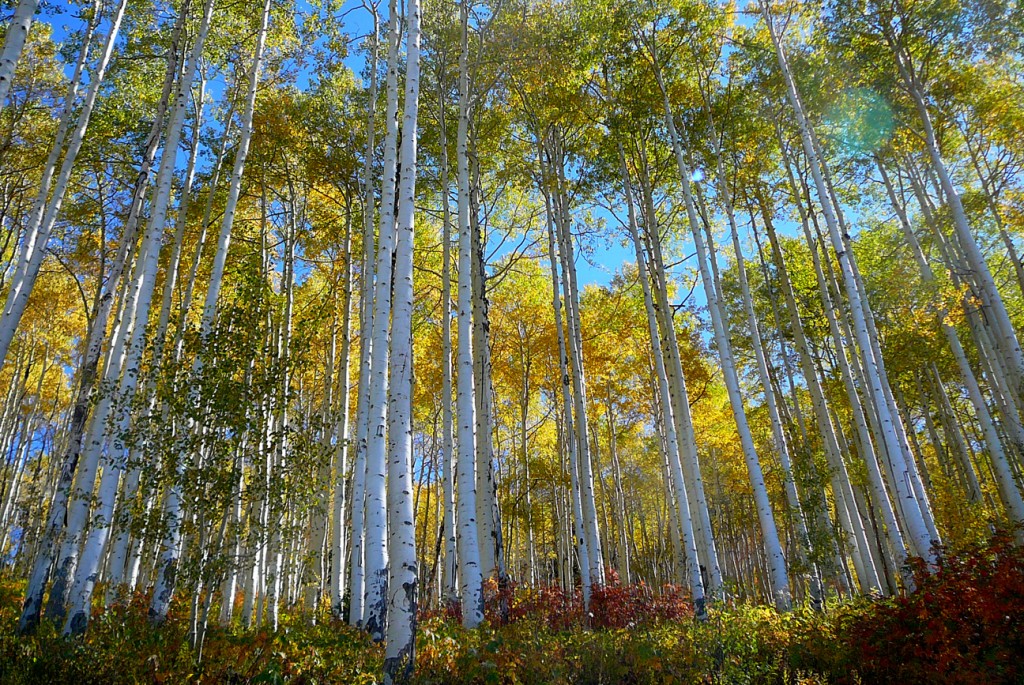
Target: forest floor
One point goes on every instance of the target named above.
(963, 624)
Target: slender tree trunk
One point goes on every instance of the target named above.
(680, 403)
(357, 570)
(841, 490)
(595, 556)
(679, 500)
(803, 541)
(403, 578)
(569, 437)
(171, 548)
(45, 212)
(339, 542)
(450, 571)
(917, 530)
(778, 575)
(114, 458)
(1008, 490)
(14, 43)
(1006, 337)
(375, 541)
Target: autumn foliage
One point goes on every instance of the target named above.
(963, 624)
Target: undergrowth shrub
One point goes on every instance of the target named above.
(963, 624)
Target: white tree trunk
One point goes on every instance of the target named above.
(1008, 490)
(114, 457)
(595, 557)
(569, 435)
(14, 43)
(1007, 341)
(339, 540)
(846, 511)
(375, 522)
(168, 564)
(375, 506)
(119, 547)
(778, 576)
(470, 574)
(357, 499)
(803, 542)
(680, 502)
(450, 569)
(680, 403)
(325, 488)
(403, 580)
(45, 212)
(917, 530)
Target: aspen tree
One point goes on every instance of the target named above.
(1006, 340)
(470, 571)
(1008, 490)
(778, 574)
(375, 549)
(119, 546)
(114, 456)
(578, 535)
(357, 498)
(680, 502)
(339, 542)
(48, 204)
(403, 578)
(679, 395)
(449, 572)
(169, 557)
(570, 293)
(94, 343)
(917, 530)
(846, 512)
(14, 44)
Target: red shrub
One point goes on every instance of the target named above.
(611, 606)
(624, 606)
(963, 624)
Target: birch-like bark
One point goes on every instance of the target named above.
(778, 575)
(622, 565)
(591, 529)
(316, 550)
(45, 212)
(1008, 490)
(113, 458)
(450, 570)
(679, 500)
(375, 522)
(14, 43)
(685, 433)
(470, 572)
(846, 511)
(44, 558)
(803, 545)
(171, 547)
(487, 530)
(29, 246)
(920, 499)
(357, 578)
(1006, 337)
(917, 530)
(569, 437)
(114, 573)
(403, 579)
(339, 540)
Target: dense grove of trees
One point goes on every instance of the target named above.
(369, 309)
